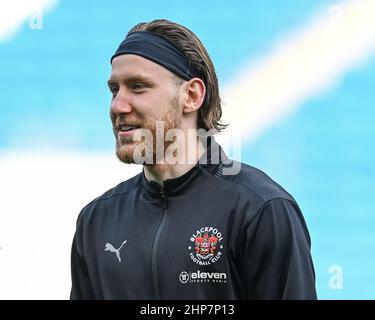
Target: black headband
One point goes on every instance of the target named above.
(159, 50)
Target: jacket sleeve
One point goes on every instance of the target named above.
(277, 259)
(81, 286)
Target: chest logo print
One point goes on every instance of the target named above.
(206, 247)
(111, 248)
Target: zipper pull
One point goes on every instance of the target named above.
(164, 199)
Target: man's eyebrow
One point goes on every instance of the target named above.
(130, 79)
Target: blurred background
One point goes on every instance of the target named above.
(296, 79)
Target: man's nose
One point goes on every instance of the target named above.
(121, 103)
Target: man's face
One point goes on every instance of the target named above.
(143, 93)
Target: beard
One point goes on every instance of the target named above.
(126, 147)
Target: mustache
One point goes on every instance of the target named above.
(120, 119)
(116, 123)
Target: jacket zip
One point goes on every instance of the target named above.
(164, 206)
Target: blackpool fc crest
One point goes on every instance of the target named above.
(206, 247)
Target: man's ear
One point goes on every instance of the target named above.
(196, 91)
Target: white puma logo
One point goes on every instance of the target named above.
(109, 247)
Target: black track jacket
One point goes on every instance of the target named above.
(204, 235)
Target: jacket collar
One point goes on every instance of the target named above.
(213, 156)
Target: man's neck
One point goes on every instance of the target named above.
(161, 172)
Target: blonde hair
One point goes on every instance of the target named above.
(210, 111)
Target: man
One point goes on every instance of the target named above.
(188, 226)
